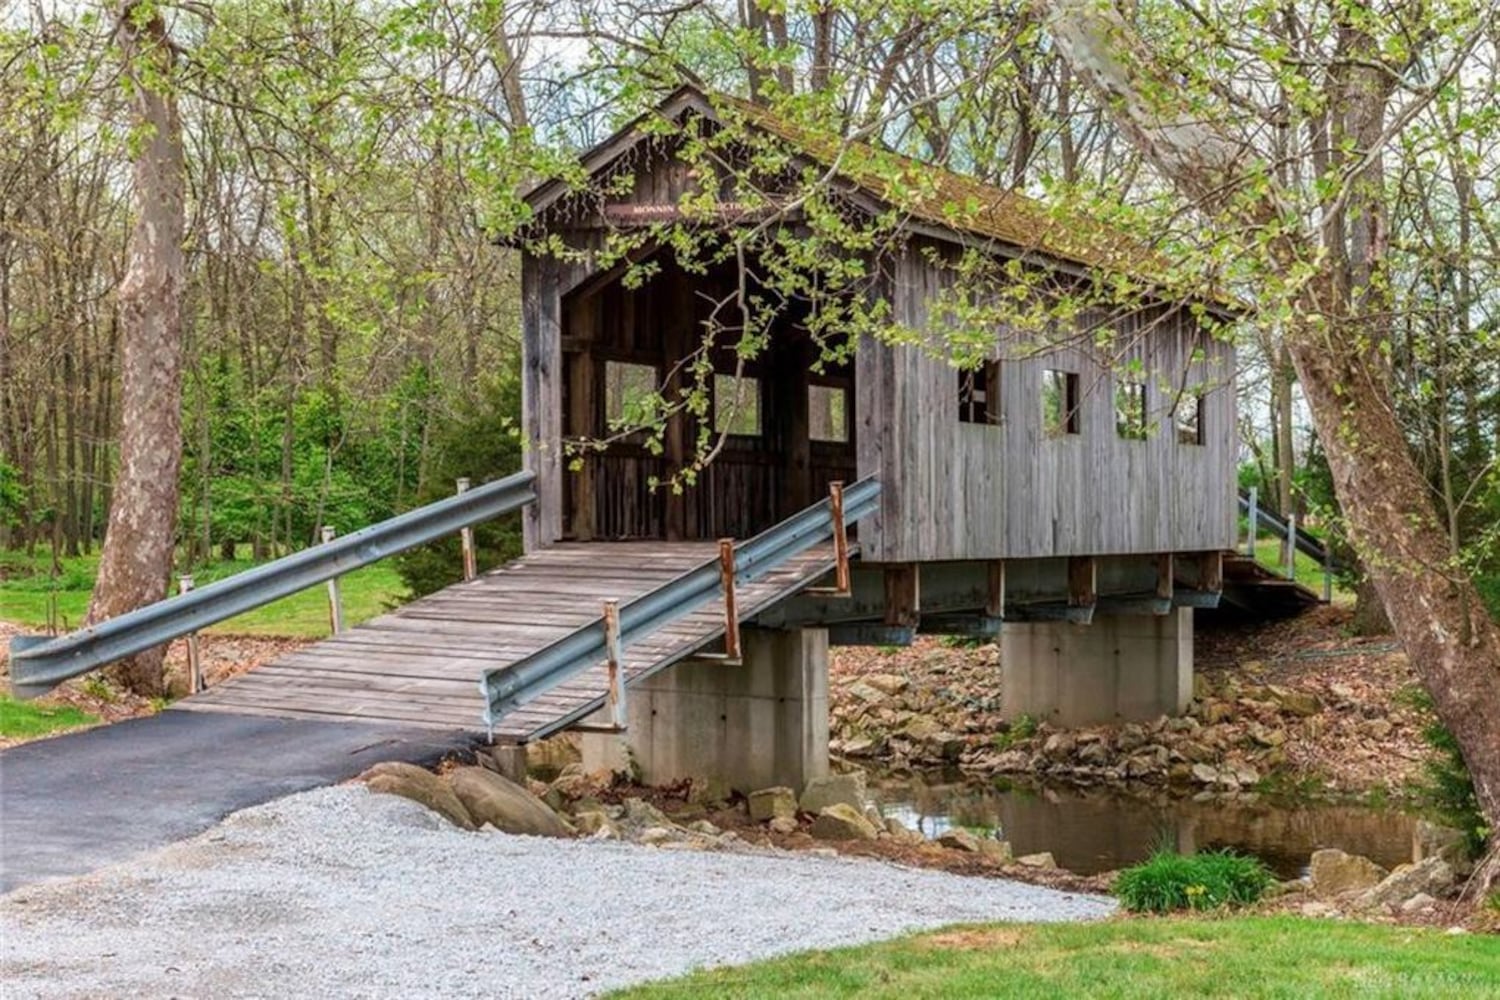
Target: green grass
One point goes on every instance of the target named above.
(28, 719)
(1169, 881)
(28, 590)
(1253, 958)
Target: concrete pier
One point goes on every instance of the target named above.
(1118, 669)
(763, 722)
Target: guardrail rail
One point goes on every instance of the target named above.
(509, 687)
(1287, 531)
(40, 663)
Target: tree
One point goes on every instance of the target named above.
(136, 562)
(1324, 272)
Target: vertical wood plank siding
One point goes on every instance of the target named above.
(955, 490)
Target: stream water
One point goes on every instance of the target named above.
(1091, 831)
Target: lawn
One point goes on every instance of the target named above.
(1282, 957)
(29, 719)
(32, 596)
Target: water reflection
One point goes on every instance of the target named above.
(1091, 831)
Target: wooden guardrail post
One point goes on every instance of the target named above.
(335, 599)
(1291, 546)
(466, 538)
(1253, 519)
(615, 700)
(731, 605)
(195, 664)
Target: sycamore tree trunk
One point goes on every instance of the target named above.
(1334, 346)
(136, 562)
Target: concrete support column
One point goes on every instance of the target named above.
(762, 723)
(1119, 669)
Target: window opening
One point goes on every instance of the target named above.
(737, 405)
(1130, 410)
(1190, 418)
(630, 398)
(1059, 402)
(979, 394)
(828, 413)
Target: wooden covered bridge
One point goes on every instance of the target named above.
(1074, 498)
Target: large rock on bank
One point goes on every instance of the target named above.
(1334, 873)
(420, 785)
(821, 793)
(842, 821)
(505, 805)
(1428, 877)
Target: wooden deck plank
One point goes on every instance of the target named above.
(421, 663)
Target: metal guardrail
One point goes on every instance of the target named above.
(1302, 541)
(508, 688)
(39, 663)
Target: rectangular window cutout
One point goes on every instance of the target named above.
(1059, 402)
(979, 394)
(1190, 418)
(629, 394)
(737, 405)
(828, 413)
(1130, 410)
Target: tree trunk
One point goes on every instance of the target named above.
(1434, 608)
(137, 558)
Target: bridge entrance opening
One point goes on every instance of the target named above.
(762, 439)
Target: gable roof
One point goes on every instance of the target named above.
(936, 201)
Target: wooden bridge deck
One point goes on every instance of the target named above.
(421, 664)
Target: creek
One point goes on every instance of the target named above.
(1096, 830)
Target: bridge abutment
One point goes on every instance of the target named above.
(1120, 668)
(760, 723)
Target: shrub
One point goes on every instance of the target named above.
(1168, 881)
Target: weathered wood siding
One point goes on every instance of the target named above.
(955, 490)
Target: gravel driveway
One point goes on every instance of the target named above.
(342, 892)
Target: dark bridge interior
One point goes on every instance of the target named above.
(790, 431)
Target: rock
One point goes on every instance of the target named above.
(489, 798)
(595, 823)
(710, 791)
(1041, 860)
(901, 832)
(960, 839)
(654, 835)
(1205, 774)
(1316, 909)
(861, 746)
(821, 793)
(704, 827)
(640, 813)
(1378, 729)
(1429, 876)
(888, 684)
(1334, 872)
(997, 850)
(1060, 745)
(865, 692)
(1216, 711)
(1418, 903)
(841, 821)
(1300, 703)
(782, 825)
(1094, 755)
(922, 729)
(420, 785)
(770, 803)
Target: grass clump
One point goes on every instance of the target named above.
(29, 719)
(1168, 881)
(1023, 728)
